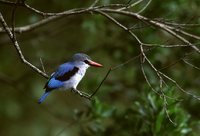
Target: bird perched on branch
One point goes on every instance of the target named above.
(68, 75)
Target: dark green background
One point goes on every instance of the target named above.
(124, 105)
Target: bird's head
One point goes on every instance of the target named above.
(83, 59)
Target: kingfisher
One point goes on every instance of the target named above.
(69, 74)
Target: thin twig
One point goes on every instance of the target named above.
(130, 5)
(7, 2)
(147, 80)
(166, 110)
(154, 23)
(101, 83)
(89, 96)
(184, 32)
(42, 65)
(170, 65)
(177, 61)
(179, 87)
(191, 64)
(148, 3)
(13, 20)
(94, 3)
(44, 21)
(167, 46)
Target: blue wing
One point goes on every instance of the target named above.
(63, 73)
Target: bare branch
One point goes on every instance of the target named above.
(142, 61)
(130, 5)
(163, 96)
(166, 46)
(169, 29)
(42, 65)
(179, 87)
(90, 96)
(17, 47)
(148, 3)
(147, 80)
(7, 2)
(101, 83)
(47, 20)
(191, 64)
(166, 111)
(177, 61)
(154, 23)
(184, 32)
(94, 3)
(175, 29)
(33, 9)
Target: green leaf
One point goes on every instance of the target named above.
(159, 121)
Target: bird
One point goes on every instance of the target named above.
(69, 74)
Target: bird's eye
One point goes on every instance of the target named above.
(86, 61)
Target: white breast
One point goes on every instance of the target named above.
(74, 80)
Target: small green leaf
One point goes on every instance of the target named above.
(159, 121)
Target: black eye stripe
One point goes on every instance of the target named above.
(86, 61)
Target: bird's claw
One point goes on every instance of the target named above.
(75, 91)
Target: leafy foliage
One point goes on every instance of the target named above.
(144, 116)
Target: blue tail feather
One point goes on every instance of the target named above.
(43, 97)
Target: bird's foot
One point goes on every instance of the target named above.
(74, 90)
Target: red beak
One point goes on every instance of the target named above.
(95, 64)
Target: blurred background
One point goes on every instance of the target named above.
(124, 105)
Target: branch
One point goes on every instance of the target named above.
(191, 64)
(154, 23)
(148, 3)
(98, 9)
(94, 3)
(17, 47)
(142, 61)
(130, 5)
(101, 83)
(179, 87)
(7, 2)
(103, 10)
(46, 20)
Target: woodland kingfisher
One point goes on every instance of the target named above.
(69, 74)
